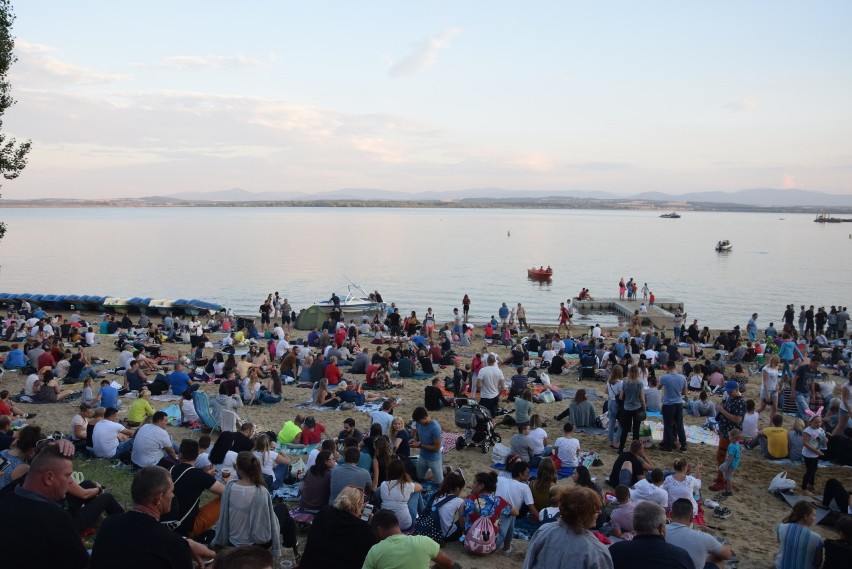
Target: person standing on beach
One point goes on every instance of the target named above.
(563, 318)
(809, 322)
(466, 307)
(286, 314)
(802, 320)
(673, 386)
(522, 317)
(751, 327)
(645, 291)
(729, 416)
(265, 309)
(803, 385)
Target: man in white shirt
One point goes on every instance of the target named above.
(597, 333)
(125, 356)
(516, 491)
(651, 490)
(283, 345)
(490, 383)
(651, 355)
(643, 309)
(105, 436)
(278, 331)
(152, 442)
(227, 340)
(557, 344)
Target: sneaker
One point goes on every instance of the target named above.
(510, 551)
(460, 472)
(727, 493)
(711, 503)
(30, 415)
(721, 513)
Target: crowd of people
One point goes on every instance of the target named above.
(385, 493)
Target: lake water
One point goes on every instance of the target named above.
(430, 257)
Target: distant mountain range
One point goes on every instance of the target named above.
(767, 197)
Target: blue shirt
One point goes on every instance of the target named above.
(109, 396)
(504, 312)
(429, 434)
(179, 381)
(787, 350)
(15, 359)
(673, 385)
(734, 452)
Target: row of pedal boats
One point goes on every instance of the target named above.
(87, 303)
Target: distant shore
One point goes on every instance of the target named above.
(467, 203)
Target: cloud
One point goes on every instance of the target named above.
(424, 55)
(37, 63)
(789, 181)
(190, 62)
(746, 104)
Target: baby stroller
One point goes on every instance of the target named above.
(477, 425)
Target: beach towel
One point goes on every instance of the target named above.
(166, 397)
(694, 434)
(590, 430)
(173, 414)
(591, 394)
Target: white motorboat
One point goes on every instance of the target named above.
(354, 302)
(723, 246)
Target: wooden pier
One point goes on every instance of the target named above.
(661, 314)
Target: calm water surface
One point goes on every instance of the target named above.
(430, 257)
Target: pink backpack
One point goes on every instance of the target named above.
(481, 537)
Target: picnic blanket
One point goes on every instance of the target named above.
(448, 441)
(365, 408)
(563, 472)
(694, 434)
(824, 516)
(166, 397)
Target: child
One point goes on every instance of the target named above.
(108, 395)
(187, 410)
(812, 439)
(551, 513)
(565, 448)
(89, 397)
(433, 396)
(732, 460)
(203, 460)
(750, 423)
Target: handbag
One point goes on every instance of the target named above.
(641, 415)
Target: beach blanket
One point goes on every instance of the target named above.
(563, 472)
(591, 394)
(448, 441)
(590, 430)
(173, 414)
(824, 516)
(166, 397)
(365, 408)
(694, 434)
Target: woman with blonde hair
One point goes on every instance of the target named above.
(140, 409)
(568, 542)
(324, 397)
(352, 536)
(246, 514)
(399, 438)
(796, 440)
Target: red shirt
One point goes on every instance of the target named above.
(4, 409)
(312, 436)
(332, 374)
(435, 354)
(340, 337)
(46, 360)
(371, 374)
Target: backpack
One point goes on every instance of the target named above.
(481, 537)
(429, 523)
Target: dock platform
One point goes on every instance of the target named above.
(661, 314)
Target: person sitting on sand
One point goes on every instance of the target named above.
(581, 412)
(47, 389)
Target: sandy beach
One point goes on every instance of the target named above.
(755, 512)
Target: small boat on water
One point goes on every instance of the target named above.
(723, 246)
(672, 215)
(540, 273)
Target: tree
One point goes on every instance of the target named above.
(13, 156)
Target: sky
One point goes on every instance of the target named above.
(130, 99)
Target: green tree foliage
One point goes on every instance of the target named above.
(13, 156)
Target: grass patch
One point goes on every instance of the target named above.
(116, 480)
